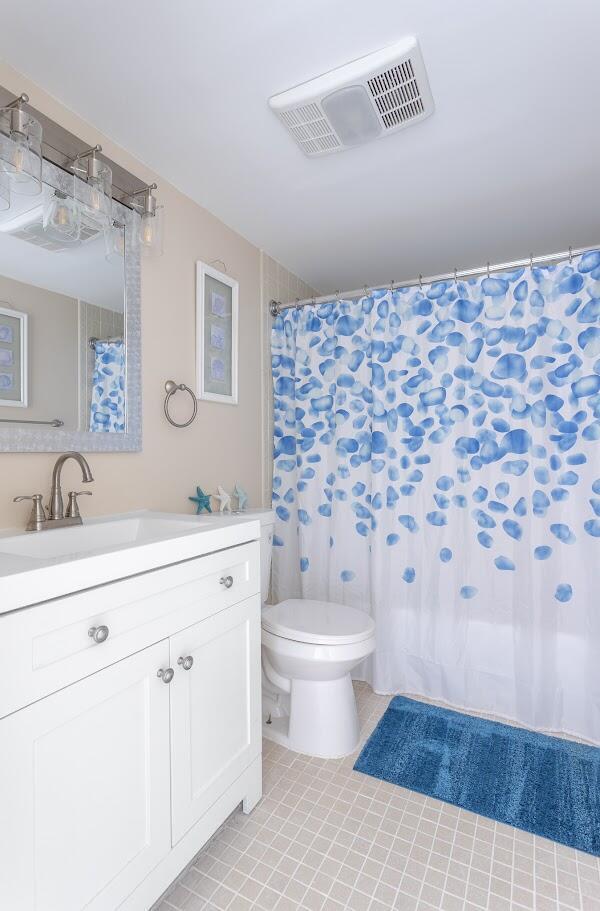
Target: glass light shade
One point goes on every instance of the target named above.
(150, 234)
(62, 218)
(114, 239)
(4, 191)
(21, 150)
(93, 189)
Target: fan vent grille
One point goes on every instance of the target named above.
(397, 95)
(311, 129)
(35, 233)
(363, 100)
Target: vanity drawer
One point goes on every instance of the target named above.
(49, 646)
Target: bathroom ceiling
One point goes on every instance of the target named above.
(508, 163)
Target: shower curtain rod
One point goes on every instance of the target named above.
(276, 307)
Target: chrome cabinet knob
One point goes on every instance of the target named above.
(98, 633)
(186, 663)
(227, 581)
(166, 674)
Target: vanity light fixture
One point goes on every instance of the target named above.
(62, 218)
(4, 191)
(150, 233)
(21, 147)
(114, 238)
(93, 186)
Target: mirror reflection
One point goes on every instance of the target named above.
(62, 319)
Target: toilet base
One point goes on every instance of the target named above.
(322, 719)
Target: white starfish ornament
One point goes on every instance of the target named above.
(224, 499)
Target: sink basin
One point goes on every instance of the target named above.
(94, 537)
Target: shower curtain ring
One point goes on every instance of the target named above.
(420, 281)
(455, 276)
(531, 261)
(297, 304)
(570, 256)
(488, 270)
(392, 286)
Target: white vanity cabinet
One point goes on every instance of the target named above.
(215, 709)
(85, 789)
(111, 780)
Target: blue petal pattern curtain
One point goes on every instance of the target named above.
(107, 410)
(437, 464)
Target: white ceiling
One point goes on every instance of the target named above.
(507, 165)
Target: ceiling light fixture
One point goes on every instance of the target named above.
(21, 147)
(150, 233)
(360, 101)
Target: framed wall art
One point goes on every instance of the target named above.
(13, 357)
(216, 335)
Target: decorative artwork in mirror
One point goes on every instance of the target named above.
(69, 322)
(13, 357)
(216, 335)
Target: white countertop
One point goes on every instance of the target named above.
(39, 566)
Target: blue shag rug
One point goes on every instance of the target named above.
(541, 784)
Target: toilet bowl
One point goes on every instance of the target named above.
(308, 650)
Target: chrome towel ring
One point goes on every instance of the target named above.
(170, 388)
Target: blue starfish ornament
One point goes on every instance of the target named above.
(202, 501)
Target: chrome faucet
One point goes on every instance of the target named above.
(56, 516)
(55, 511)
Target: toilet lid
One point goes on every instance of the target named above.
(317, 622)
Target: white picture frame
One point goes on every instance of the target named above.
(14, 358)
(217, 296)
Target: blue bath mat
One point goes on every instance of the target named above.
(541, 784)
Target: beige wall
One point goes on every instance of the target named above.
(53, 362)
(225, 443)
(277, 283)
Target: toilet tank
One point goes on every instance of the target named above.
(266, 552)
(266, 517)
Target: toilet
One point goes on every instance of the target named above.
(309, 649)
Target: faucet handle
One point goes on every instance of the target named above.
(38, 516)
(73, 506)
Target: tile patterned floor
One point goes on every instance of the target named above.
(326, 838)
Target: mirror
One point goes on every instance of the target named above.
(69, 325)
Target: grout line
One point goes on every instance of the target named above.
(327, 799)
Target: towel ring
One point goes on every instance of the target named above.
(170, 388)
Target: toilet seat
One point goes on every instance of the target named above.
(317, 622)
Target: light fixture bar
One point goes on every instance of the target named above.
(60, 147)
(87, 153)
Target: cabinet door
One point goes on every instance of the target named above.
(85, 790)
(215, 709)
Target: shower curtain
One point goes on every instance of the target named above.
(107, 409)
(437, 465)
